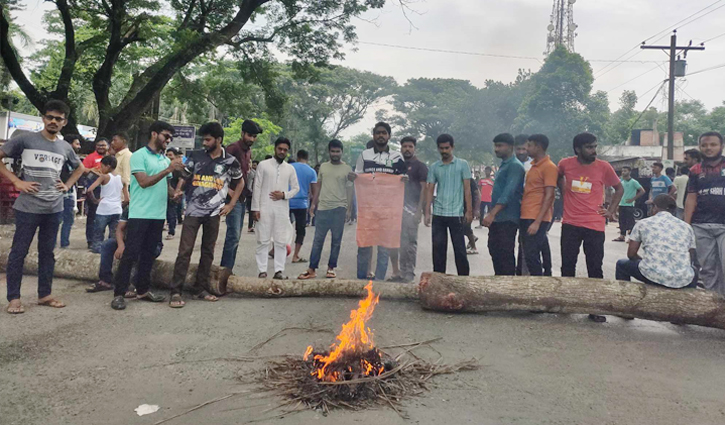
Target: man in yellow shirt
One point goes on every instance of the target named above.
(119, 144)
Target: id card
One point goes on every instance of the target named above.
(580, 186)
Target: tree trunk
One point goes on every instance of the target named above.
(571, 295)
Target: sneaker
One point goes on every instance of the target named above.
(279, 276)
(118, 303)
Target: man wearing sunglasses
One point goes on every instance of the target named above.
(40, 204)
(150, 190)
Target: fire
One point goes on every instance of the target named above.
(354, 342)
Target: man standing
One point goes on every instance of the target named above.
(92, 164)
(453, 177)
(705, 210)
(40, 203)
(377, 159)
(331, 204)
(274, 185)
(692, 158)
(69, 198)
(404, 258)
(659, 183)
(503, 219)
(249, 185)
(632, 191)
(119, 144)
(582, 179)
(521, 152)
(537, 203)
(486, 186)
(207, 177)
(242, 151)
(174, 205)
(680, 183)
(150, 171)
(298, 205)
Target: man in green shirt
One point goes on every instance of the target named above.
(150, 171)
(632, 191)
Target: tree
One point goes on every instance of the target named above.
(174, 33)
(617, 130)
(265, 141)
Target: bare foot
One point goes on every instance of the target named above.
(49, 301)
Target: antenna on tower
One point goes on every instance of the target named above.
(562, 29)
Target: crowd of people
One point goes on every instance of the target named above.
(134, 195)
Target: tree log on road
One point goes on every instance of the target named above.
(571, 295)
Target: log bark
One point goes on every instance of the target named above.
(571, 295)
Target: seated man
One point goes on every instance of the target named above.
(669, 257)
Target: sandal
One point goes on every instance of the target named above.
(151, 297)
(371, 276)
(176, 302)
(279, 276)
(472, 251)
(331, 274)
(51, 302)
(17, 308)
(99, 286)
(300, 260)
(262, 275)
(307, 275)
(203, 295)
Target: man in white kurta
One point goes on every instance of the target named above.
(274, 185)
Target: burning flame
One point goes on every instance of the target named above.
(355, 338)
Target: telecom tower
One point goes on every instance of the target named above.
(562, 29)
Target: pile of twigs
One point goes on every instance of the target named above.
(292, 379)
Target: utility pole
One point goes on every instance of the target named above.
(673, 51)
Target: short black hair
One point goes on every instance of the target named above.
(504, 138)
(658, 164)
(123, 136)
(521, 139)
(334, 143)
(255, 162)
(101, 139)
(173, 149)
(488, 167)
(669, 170)
(408, 139)
(711, 134)
(684, 171)
(627, 167)
(539, 140)
(694, 153)
(383, 124)
(109, 161)
(665, 202)
(582, 139)
(213, 129)
(56, 105)
(444, 138)
(159, 126)
(283, 140)
(71, 137)
(302, 154)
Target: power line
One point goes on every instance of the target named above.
(653, 87)
(629, 81)
(713, 38)
(648, 105)
(706, 69)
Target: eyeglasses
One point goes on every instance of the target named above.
(168, 137)
(54, 118)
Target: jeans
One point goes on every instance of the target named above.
(25, 226)
(173, 211)
(143, 236)
(300, 216)
(365, 255)
(680, 213)
(101, 222)
(250, 216)
(485, 208)
(234, 231)
(501, 243)
(440, 227)
(533, 246)
(572, 238)
(90, 222)
(627, 269)
(67, 218)
(328, 220)
(408, 252)
(626, 220)
(710, 243)
(189, 231)
(108, 248)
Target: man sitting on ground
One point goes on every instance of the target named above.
(669, 257)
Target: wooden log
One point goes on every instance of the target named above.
(84, 265)
(571, 295)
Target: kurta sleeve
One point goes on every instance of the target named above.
(257, 191)
(294, 184)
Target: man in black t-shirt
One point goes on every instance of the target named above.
(412, 212)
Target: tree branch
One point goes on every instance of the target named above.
(12, 63)
(187, 16)
(71, 55)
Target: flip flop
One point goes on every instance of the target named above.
(300, 260)
(203, 295)
(51, 303)
(306, 276)
(330, 274)
(98, 287)
(16, 310)
(176, 302)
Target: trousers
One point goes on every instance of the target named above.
(300, 218)
(328, 221)
(234, 231)
(710, 243)
(189, 231)
(534, 247)
(572, 238)
(408, 252)
(501, 244)
(273, 224)
(68, 217)
(440, 227)
(143, 236)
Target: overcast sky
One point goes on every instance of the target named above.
(607, 29)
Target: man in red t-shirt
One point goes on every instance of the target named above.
(92, 163)
(486, 186)
(582, 179)
(94, 159)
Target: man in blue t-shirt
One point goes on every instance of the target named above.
(660, 184)
(306, 176)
